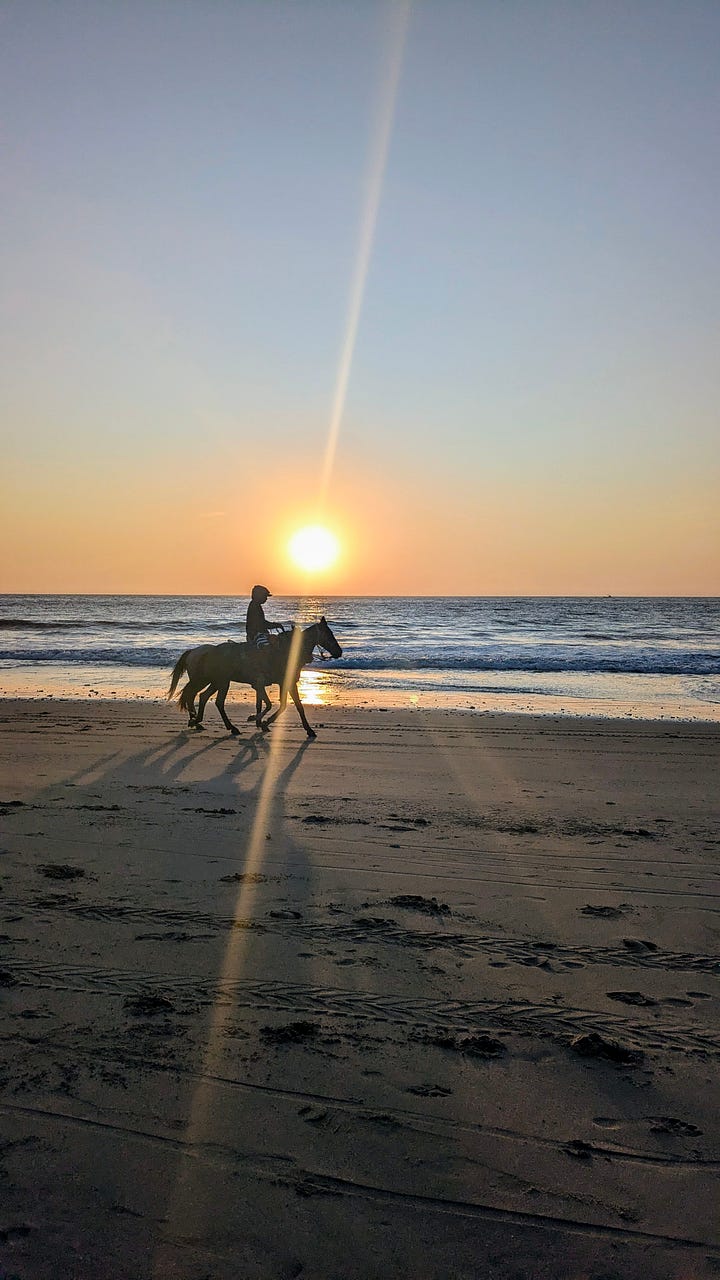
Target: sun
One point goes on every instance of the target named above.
(314, 548)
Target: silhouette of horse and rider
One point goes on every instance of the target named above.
(274, 653)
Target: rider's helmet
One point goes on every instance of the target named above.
(260, 594)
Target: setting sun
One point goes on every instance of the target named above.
(314, 548)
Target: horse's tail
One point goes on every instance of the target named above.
(187, 698)
(177, 672)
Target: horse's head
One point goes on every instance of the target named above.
(326, 639)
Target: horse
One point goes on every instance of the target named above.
(211, 667)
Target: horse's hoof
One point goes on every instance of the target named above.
(250, 718)
(234, 731)
(311, 733)
(265, 727)
(199, 727)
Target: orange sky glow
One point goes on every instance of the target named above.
(447, 287)
(76, 531)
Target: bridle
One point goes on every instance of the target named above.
(324, 653)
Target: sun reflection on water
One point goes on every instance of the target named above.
(313, 688)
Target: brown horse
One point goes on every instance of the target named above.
(211, 667)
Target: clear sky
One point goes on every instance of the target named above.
(532, 401)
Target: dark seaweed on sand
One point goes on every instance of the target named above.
(289, 1033)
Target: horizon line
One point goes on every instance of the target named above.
(392, 595)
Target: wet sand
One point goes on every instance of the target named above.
(432, 996)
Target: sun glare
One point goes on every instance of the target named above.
(314, 548)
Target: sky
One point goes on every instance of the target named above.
(473, 244)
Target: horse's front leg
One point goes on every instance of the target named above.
(261, 701)
(220, 704)
(301, 711)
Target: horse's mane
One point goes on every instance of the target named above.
(287, 632)
(297, 634)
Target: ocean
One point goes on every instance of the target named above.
(657, 658)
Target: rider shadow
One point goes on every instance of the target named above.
(174, 757)
(273, 842)
(256, 748)
(249, 750)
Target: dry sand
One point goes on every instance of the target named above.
(432, 996)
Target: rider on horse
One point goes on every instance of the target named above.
(257, 629)
(256, 625)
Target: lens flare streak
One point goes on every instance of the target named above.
(376, 171)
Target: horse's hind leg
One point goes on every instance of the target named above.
(262, 706)
(187, 702)
(202, 703)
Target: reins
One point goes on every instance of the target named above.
(324, 653)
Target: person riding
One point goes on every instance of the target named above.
(256, 626)
(258, 634)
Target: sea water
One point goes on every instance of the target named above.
(607, 656)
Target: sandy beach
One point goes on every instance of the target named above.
(431, 996)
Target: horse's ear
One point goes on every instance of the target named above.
(324, 619)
